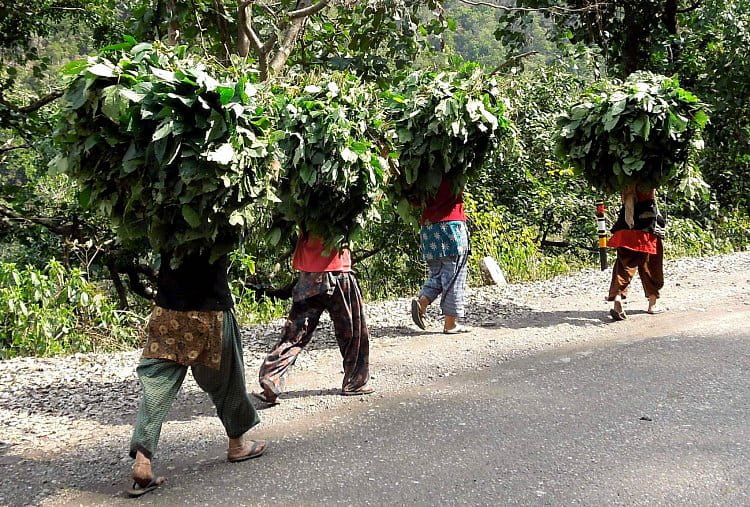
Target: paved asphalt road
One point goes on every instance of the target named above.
(663, 420)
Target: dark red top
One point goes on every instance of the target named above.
(310, 256)
(633, 239)
(445, 206)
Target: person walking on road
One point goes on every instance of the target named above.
(326, 283)
(637, 235)
(444, 240)
(191, 325)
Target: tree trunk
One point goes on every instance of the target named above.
(631, 49)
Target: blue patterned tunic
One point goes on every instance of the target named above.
(443, 239)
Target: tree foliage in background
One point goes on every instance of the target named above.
(626, 32)
(714, 61)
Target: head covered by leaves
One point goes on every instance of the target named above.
(167, 151)
(335, 156)
(447, 123)
(640, 131)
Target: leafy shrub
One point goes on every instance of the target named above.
(249, 309)
(513, 244)
(640, 131)
(687, 238)
(56, 310)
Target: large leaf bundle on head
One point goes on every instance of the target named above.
(447, 123)
(167, 151)
(335, 156)
(639, 131)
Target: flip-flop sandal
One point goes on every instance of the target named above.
(657, 311)
(262, 397)
(358, 392)
(458, 329)
(416, 314)
(256, 450)
(618, 315)
(138, 490)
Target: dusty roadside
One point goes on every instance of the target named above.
(66, 422)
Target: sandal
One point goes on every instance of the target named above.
(262, 397)
(417, 315)
(357, 392)
(142, 485)
(257, 448)
(457, 329)
(270, 392)
(621, 315)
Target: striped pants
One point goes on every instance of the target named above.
(346, 308)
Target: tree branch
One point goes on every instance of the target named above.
(69, 230)
(309, 10)
(34, 106)
(550, 10)
(293, 31)
(6, 149)
(512, 60)
(693, 7)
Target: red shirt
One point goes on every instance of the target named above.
(309, 256)
(640, 241)
(633, 239)
(445, 206)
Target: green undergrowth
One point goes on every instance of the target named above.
(56, 310)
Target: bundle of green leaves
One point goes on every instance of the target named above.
(641, 131)
(335, 157)
(446, 124)
(171, 154)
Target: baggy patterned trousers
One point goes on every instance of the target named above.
(342, 299)
(161, 381)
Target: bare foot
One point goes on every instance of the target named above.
(652, 308)
(142, 474)
(143, 478)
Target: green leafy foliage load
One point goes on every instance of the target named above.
(168, 152)
(447, 123)
(643, 131)
(335, 157)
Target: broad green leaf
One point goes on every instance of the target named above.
(191, 216)
(102, 69)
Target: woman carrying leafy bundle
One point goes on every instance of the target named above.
(326, 283)
(444, 242)
(637, 236)
(191, 325)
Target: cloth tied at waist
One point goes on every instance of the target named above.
(185, 337)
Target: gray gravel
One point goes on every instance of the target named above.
(66, 421)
